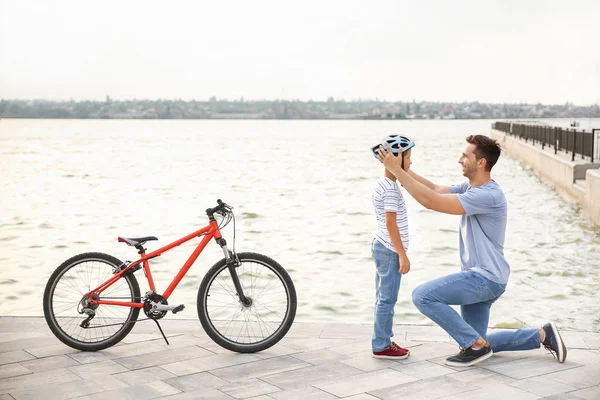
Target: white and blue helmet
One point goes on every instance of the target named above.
(398, 144)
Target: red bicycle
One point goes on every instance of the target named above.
(246, 301)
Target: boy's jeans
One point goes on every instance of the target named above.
(475, 294)
(387, 284)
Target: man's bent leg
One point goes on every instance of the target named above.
(434, 298)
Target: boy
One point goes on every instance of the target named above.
(389, 250)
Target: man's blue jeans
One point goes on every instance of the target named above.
(387, 285)
(475, 294)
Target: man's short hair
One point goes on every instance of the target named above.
(487, 148)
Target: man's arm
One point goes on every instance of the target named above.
(445, 203)
(436, 188)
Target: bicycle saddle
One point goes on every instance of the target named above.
(136, 241)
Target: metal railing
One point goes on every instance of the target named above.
(572, 141)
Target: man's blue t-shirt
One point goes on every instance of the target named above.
(482, 230)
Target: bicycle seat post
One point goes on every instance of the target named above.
(141, 249)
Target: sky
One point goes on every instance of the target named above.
(508, 51)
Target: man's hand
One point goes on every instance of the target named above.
(390, 162)
(404, 264)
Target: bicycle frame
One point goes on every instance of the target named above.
(210, 231)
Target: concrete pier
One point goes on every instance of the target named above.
(577, 180)
(314, 361)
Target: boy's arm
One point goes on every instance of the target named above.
(436, 188)
(392, 228)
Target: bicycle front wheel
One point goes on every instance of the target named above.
(254, 327)
(65, 302)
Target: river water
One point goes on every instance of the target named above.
(302, 195)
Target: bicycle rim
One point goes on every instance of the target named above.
(263, 323)
(110, 323)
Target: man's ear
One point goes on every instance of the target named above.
(482, 162)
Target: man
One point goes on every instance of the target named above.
(484, 269)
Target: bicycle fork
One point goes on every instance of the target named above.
(232, 262)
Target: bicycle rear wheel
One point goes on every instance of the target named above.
(65, 296)
(241, 328)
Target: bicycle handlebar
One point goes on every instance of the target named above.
(221, 208)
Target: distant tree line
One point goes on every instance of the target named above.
(214, 108)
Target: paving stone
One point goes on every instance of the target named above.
(69, 390)
(582, 377)
(10, 357)
(362, 396)
(430, 351)
(366, 382)
(353, 348)
(162, 357)
(366, 362)
(145, 375)
(276, 351)
(99, 369)
(10, 370)
(427, 334)
(542, 386)
(305, 330)
(477, 374)
(490, 390)
(200, 393)
(216, 361)
(564, 396)
(585, 357)
(192, 382)
(305, 393)
(321, 356)
(41, 350)
(311, 375)
(134, 349)
(248, 388)
(146, 391)
(88, 357)
(335, 358)
(352, 331)
(423, 369)
(528, 367)
(48, 363)
(61, 375)
(260, 368)
(314, 343)
(592, 393)
(432, 388)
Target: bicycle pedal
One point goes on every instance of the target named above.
(178, 308)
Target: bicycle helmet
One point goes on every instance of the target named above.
(398, 144)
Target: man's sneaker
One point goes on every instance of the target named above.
(392, 352)
(468, 357)
(402, 348)
(553, 342)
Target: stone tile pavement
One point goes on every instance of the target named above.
(314, 361)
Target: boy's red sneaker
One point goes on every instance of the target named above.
(393, 352)
(401, 348)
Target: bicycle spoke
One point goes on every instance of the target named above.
(243, 324)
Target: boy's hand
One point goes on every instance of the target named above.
(404, 265)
